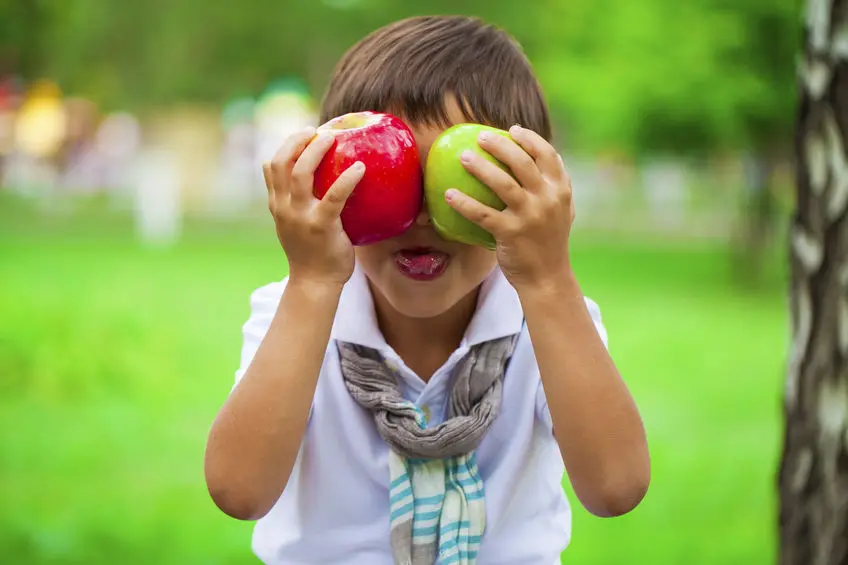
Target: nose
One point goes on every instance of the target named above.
(423, 218)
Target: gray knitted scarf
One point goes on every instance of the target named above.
(437, 500)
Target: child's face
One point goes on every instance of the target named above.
(418, 273)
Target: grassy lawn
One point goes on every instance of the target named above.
(114, 360)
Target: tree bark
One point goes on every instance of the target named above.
(813, 477)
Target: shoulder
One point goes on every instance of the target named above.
(263, 303)
(595, 313)
(542, 411)
(267, 295)
(263, 306)
(597, 319)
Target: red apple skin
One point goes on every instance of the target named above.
(389, 197)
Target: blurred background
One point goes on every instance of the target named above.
(133, 228)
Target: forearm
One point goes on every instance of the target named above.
(256, 436)
(595, 420)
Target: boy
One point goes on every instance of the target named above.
(379, 418)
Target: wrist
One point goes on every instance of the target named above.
(559, 285)
(315, 288)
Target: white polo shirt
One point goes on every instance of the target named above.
(335, 507)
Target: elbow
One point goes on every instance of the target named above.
(622, 500)
(238, 505)
(236, 496)
(619, 496)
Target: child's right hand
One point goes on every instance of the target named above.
(309, 229)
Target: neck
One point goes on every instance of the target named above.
(425, 344)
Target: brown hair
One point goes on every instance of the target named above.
(412, 66)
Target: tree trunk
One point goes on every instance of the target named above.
(813, 478)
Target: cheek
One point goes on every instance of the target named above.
(368, 255)
(374, 259)
(479, 261)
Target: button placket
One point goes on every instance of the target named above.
(442, 378)
(432, 397)
(392, 365)
(410, 388)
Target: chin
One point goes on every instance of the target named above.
(421, 300)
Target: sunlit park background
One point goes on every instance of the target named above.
(133, 228)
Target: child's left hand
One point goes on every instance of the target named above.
(532, 231)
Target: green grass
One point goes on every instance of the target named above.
(114, 360)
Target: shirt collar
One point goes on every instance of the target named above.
(498, 313)
(356, 320)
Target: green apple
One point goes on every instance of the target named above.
(444, 170)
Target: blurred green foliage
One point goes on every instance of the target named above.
(634, 77)
(114, 359)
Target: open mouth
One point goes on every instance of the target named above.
(421, 263)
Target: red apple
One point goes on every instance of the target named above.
(390, 195)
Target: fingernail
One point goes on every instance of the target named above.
(450, 194)
(466, 156)
(485, 136)
(359, 166)
(515, 129)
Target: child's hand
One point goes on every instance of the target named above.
(532, 231)
(310, 230)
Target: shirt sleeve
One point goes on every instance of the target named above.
(542, 411)
(263, 307)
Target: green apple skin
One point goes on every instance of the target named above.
(444, 170)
